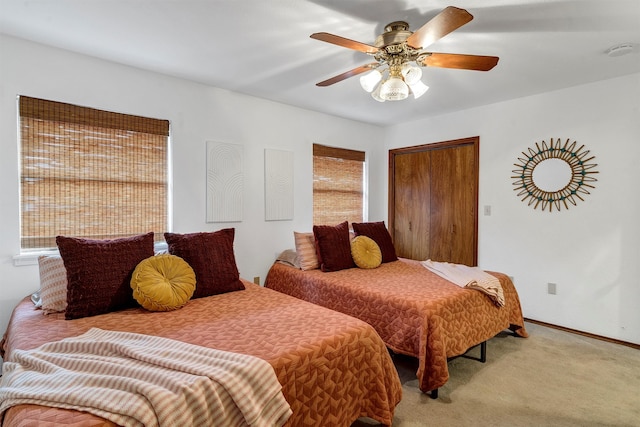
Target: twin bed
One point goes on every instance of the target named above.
(333, 368)
(415, 311)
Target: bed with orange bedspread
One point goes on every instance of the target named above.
(333, 368)
(415, 311)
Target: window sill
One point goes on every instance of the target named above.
(31, 258)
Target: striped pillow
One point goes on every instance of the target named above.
(53, 284)
(306, 249)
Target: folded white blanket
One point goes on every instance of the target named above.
(141, 380)
(468, 277)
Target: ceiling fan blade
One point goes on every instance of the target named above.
(463, 62)
(450, 19)
(347, 74)
(344, 42)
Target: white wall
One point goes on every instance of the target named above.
(591, 251)
(197, 113)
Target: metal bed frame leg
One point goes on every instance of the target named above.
(483, 358)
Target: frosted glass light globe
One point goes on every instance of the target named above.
(394, 89)
(418, 89)
(370, 80)
(411, 74)
(376, 94)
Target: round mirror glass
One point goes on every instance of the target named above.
(552, 175)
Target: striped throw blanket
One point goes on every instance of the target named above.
(141, 380)
(468, 277)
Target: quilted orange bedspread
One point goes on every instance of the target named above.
(415, 311)
(333, 368)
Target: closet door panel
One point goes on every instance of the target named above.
(452, 205)
(411, 201)
(464, 239)
(442, 206)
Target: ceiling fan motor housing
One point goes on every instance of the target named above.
(394, 33)
(392, 44)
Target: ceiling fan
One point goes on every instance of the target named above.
(392, 75)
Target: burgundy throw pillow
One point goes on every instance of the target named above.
(211, 256)
(333, 246)
(99, 272)
(379, 233)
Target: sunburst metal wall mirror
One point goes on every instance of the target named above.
(554, 175)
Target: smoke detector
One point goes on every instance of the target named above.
(619, 50)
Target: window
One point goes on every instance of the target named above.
(338, 185)
(90, 173)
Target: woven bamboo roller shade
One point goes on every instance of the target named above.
(90, 180)
(337, 185)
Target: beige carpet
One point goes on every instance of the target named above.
(552, 378)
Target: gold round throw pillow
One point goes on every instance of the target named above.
(365, 252)
(163, 282)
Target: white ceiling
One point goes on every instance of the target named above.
(262, 47)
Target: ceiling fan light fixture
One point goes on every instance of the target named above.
(418, 89)
(400, 54)
(370, 80)
(394, 89)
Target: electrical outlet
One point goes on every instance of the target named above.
(551, 288)
(256, 280)
(487, 210)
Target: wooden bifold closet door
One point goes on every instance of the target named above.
(433, 201)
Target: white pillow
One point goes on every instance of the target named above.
(289, 257)
(53, 284)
